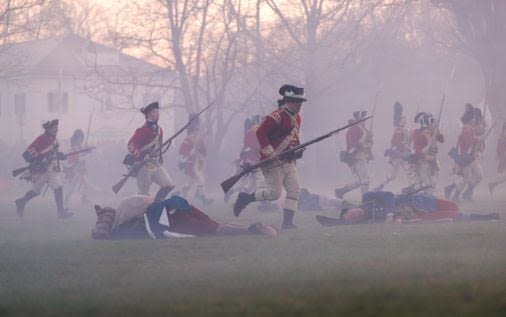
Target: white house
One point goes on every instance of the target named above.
(81, 83)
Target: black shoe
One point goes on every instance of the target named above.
(327, 221)
(243, 199)
(491, 188)
(20, 207)
(449, 190)
(267, 206)
(339, 193)
(379, 188)
(65, 214)
(287, 226)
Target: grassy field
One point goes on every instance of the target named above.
(53, 268)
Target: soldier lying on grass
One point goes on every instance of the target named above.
(141, 217)
(386, 207)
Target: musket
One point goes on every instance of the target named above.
(89, 126)
(18, 171)
(374, 110)
(246, 169)
(489, 130)
(133, 171)
(331, 221)
(438, 122)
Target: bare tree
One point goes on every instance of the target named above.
(478, 29)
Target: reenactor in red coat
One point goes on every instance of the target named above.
(399, 152)
(192, 153)
(248, 156)
(145, 145)
(357, 155)
(279, 132)
(75, 171)
(424, 164)
(466, 155)
(44, 169)
(501, 160)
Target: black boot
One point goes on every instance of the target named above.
(21, 202)
(243, 199)
(468, 193)
(62, 212)
(163, 192)
(200, 194)
(449, 190)
(327, 221)
(491, 187)
(456, 196)
(340, 192)
(288, 219)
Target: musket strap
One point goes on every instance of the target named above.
(152, 143)
(293, 135)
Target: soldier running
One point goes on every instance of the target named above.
(424, 164)
(192, 154)
(75, 172)
(279, 132)
(44, 169)
(501, 159)
(357, 155)
(399, 152)
(145, 145)
(466, 155)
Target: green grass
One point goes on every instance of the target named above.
(53, 268)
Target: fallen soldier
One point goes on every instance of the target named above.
(408, 208)
(313, 202)
(140, 217)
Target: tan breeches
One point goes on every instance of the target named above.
(51, 178)
(423, 176)
(470, 175)
(152, 173)
(279, 175)
(194, 181)
(359, 169)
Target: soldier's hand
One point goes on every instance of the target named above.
(434, 150)
(298, 154)
(60, 156)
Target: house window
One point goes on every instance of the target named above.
(57, 102)
(65, 102)
(107, 103)
(148, 98)
(20, 104)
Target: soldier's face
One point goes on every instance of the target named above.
(53, 130)
(153, 115)
(294, 107)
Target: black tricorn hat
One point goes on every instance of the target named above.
(77, 137)
(398, 109)
(292, 93)
(467, 117)
(418, 116)
(357, 115)
(50, 124)
(151, 106)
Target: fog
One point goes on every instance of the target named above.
(93, 66)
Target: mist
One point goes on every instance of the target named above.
(94, 65)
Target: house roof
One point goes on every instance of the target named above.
(71, 54)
